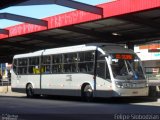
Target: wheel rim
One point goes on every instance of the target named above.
(29, 91)
(87, 93)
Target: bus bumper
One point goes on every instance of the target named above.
(118, 92)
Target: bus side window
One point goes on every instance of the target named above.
(102, 67)
(89, 56)
(86, 62)
(89, 60)
(74, 60)
(36, 70)
(30, 69)
(47, 69)
(33, 65)
(57, 65)
(22, 66)
(90, 67)
(46, 65)
(15, 66)
(81, 65)
(70, 62)
(67, 67)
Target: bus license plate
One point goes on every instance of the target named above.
(132, 85)
(135, 92)
(128, 85)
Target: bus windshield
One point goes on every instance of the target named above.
(126, 67)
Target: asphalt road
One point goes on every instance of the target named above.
(18, 107)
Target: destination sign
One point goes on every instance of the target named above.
(124, 56)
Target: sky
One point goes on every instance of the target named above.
(40, 11)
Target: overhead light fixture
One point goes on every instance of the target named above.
(115, 34)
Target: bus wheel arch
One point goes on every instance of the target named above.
(86, 92)
(29, 90)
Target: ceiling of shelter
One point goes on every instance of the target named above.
(135, 28)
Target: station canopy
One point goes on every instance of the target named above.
(119, 21)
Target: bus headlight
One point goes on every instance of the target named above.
(119, 84)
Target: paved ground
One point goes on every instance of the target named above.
(17, 106)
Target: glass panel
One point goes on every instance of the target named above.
(46, 65)
(126, 68)
(89, 56)
(22, 62)
(86, 62)
(34, 67)
(56, 59)
(46, 69)
(22, 70)
(70, 62)
(34, 61)
(46, 60)
(81, 57)
(82, 67)
(57, 68)
(57, 65)
(101, 69)
(15, 66)
(90, 67)
(22, 66)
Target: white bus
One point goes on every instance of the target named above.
(89, 70)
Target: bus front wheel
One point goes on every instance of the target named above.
(87, 93)
(29, 91)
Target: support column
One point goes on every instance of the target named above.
(130, 45)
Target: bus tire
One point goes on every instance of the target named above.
(87, 93)
(29, 91)
(152, 92)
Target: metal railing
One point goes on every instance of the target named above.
(5, 82)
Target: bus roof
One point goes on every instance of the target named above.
(69, 49)
(116, 49)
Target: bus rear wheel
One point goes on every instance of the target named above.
(29, 91)
(87, 93)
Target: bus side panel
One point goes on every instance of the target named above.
(70, 84)
(46, 82)
(78, 80)
(103, 88)
(65, 84)
(57, 84)
(35, 81)
(18, 83)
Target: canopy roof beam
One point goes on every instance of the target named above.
(20, 18)
(4, 31)
(67, 3)
(80, 6)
